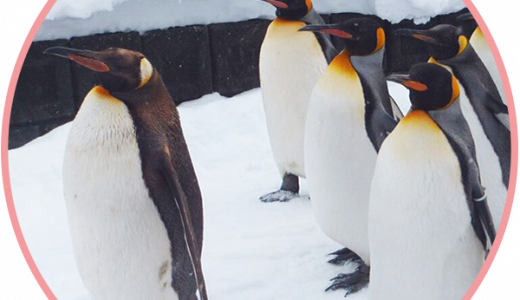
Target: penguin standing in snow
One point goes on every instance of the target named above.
(349, 116)
(481, 46)
(486, 114)
(133, 201)
(429, 220)
(291, 62)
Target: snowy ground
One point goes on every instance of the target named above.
(252, 250)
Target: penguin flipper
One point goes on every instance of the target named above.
(500, 111)
(172, 178)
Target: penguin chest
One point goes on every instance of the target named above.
(421, 238)
(481, 46)
(291, 63)
(488, 160)
(121, 245)
(340, 159)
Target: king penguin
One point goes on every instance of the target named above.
(133, 202)
(349, 116)
(481, 46)
(430, 226)
(291, 62)
(486, 114)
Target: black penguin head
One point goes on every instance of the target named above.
(119, 70)
(362, 36)
(443, 41)
(431, 86)
(291, 9)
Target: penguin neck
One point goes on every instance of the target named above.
(342, 65)
(420, 120)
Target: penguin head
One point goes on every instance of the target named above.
(431, 86)
(361, 36)
(291, 9)
(443, 41)
(119, 70)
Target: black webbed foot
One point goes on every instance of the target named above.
(344, 256)
(353, 282)
(279, 196)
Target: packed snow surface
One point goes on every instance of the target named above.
(69, 18)
(252, 250)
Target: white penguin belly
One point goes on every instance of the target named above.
(291, 63)
(340, 161)
(481, 46)
(121, 245)
(488, 160)
(422, 243)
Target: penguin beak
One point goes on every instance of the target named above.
(86, 58)
(407, 81)
(332, 29)
(277, 3)
(422, 35)
(465, 17)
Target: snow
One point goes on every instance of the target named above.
(262, 251)
(69, 18)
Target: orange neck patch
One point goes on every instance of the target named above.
(343, 65)
(421, 119)
(455, 88)
(101, 91)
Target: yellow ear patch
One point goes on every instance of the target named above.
(146, 72)
(381, 39)
(456, 89)
(309, 5)
(463, 44)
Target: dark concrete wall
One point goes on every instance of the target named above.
(193, 61)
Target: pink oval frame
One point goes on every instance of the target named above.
(7, 182)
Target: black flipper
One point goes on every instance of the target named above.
(456, 129)
(485, 99)
(330, 52)
(381, 115)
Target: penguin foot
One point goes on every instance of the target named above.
(279, 196)
(353, 282)
(344, 256)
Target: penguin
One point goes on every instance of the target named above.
(291, 62)
(481, 46)
(349, 116)
(482, 107)
(429, 223)
(133, 202)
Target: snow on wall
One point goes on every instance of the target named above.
(70, 18)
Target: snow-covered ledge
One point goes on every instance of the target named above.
(194, 60)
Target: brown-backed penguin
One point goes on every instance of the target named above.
(133, 201)
(349, 116)
(482, 107)
(291, 62)
(429, 223)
